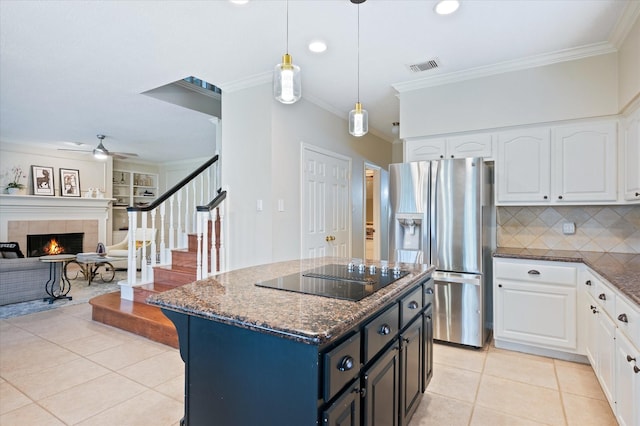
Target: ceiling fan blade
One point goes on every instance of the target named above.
(126, 154)
(74, 150)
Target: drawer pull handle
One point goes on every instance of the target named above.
(602, 296)
(429, 291)
(588, 282)
(384, 329)
(346, 363)
(636, 369)
(533, 272)
(630, 358)
(413, 305)
(623, 318)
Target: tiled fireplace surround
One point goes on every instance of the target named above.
(23, 215)
(598, 228)
(18, 231)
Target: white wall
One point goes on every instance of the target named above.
(629, 66)
(580, 88)
(261, 149)
(93, 173)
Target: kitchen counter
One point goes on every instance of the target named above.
(621, 269)
(233, 298)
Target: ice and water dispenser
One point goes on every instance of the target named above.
(409, 233)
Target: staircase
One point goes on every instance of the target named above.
(137, 316)
(186, 259)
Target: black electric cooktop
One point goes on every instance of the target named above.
(337, 281)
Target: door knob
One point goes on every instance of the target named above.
(329, 238)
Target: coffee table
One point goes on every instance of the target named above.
(58, 285)
(92, 265)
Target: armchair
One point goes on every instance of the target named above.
(120, 251)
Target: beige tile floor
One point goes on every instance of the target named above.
(60, 368)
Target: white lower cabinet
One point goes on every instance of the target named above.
(612, 340)
(627, 360)
(535, 304)
(601, 346)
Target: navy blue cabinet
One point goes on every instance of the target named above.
(373, 374)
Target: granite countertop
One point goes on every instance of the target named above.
(233, 298)
(621, 269)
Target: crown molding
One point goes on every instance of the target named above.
(627, 20)
(508, 66)
(245, 83)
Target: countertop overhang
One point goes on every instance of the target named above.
(621, 269)
(233, 298)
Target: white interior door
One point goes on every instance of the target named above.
(326, 206)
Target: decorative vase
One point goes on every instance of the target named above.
(13, 191)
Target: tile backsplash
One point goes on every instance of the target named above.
(597, 228)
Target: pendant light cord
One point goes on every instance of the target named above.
(287, 49)
(358, 52)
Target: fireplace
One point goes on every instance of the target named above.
(59, 243)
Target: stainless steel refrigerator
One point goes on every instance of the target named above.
(442, 213)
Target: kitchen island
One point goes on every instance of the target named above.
(263, 356)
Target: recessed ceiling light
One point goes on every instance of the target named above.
(74, 143)
(317, 46)
(239, 2)
(446, 7)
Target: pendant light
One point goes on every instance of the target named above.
(358, 117)
(287, 87)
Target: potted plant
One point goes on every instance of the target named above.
(15, 186)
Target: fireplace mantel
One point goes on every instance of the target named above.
(30, 208)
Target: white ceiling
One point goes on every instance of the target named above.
(71, 70)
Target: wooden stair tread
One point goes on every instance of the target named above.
(138, 318)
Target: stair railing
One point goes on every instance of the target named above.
(170, 218)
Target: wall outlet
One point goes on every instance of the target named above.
(568, 228)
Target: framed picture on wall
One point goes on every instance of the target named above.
(42, 180)
(69, 182)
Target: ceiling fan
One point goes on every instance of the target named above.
(101, 153)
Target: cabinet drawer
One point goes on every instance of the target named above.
(627, 318)
(589, 282)
(380, 331)
(606, 298)
(429, 291)
(341, 365)
(410, 306)
(536, 272)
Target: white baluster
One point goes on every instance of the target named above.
(163, 248)
(223, 259)
(179, 236)
(153, 242)
(199, 247)
(143, 249)
(172, 241)
(204, 217)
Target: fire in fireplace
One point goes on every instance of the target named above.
(48, 244)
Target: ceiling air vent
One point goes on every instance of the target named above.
(425, 66)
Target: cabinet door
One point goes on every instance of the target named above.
(410, 382)
(477, 145)
(427, 350)
(631, 161)
(381, 382)
(345, 411)
(424, 149)
(584, 157)
(605, 370)
(591, 318)
(627, 381)
(540, 314)
(523, 166)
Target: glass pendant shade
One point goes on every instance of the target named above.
(358, 121)
(287, 87)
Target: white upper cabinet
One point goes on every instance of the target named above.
(575, 163)
(465, 146)
(584, 158)
(424, 149)
(631, 157)
(523, 165)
